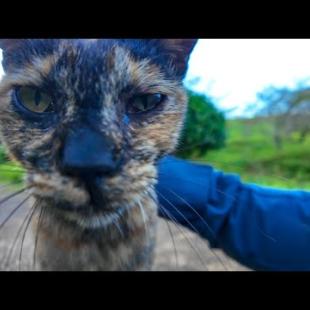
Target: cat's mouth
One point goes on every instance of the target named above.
(97, 199)
(82, 204)
(68, 193)
(87, 219)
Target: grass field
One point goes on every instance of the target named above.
(251, 153)
(11, 173)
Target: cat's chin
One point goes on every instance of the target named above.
(93, 220)
(84, 216)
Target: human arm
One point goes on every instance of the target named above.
(262, 228)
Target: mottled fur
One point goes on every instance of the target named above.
(91, 80)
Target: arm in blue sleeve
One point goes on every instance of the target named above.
(262, 228)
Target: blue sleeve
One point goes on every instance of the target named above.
(262, 228)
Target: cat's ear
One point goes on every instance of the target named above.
(11, 49)
(179, 51)
(9, 45)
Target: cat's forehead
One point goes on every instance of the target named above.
(89, 53)
(84, 63)
(100, 67)
(170, 56)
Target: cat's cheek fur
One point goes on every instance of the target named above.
(59, 189)
(158, 137)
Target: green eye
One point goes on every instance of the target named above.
(144, 103)
(35, 100)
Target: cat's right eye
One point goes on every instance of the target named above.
(34, 100)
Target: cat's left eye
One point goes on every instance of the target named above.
(144, 103)
(34, 100)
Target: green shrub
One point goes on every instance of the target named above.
(204, 127)
(3, 156)
(10, 172)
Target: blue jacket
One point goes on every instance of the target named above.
(262, 228)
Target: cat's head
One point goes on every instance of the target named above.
(88, 119)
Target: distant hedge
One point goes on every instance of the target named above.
(204, 127)
(3, 155)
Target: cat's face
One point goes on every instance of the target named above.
(89, 118)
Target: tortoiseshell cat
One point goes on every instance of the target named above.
(88, 120)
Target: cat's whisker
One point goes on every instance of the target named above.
(3, 200)
(174, 244)
(193, 209)
(191, 225)
(200, 184)
(176, 209)
(24, 234)
(150, 194)
(168, 214)
(173, 219)
(204, 221)
(42, 211)
(184, 180)
(143, 216)
(226, 195)
(265, 234)
(13, 211)
(8, 257)
(119, 229)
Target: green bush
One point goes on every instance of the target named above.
(3, 155)
(10, 172)
(204, 127)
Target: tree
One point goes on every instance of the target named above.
(289, 109)
(204, 127)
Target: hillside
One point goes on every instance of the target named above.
(250, 152)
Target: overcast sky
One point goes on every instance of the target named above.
(234, 70)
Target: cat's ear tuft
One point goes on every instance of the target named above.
(179, 50)
(8, 45)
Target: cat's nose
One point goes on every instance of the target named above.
(87, 153)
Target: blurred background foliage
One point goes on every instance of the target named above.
(272, 148)
(10, 172)
(204, 128)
